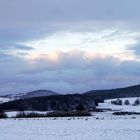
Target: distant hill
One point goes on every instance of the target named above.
(45, 100)
(39, 93)
(132, 91)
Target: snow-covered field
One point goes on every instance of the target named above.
(101, 126)
(11, 114)
(130, 108)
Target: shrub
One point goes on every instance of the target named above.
(126, 102)
(29, 115)
(126, 113)
(53, 114)
(68, 113)
(117, 102)
(2, 115)
(137, 102)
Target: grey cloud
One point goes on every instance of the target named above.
(73, 75)
(68, 60)
(135, 49)
(4, 56)
(12, 46)
(65, 61)
(30, 20)
(11, 38)
(25, 13)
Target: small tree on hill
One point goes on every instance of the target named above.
(2, 115)
(126, 102)
(117, 102)
(137, 102)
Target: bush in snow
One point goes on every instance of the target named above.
(68, 113)
(137, 102)
(126, 113)
(53, 114)
(117, 102)
(126, 102)
(2, 115)
(29, 115)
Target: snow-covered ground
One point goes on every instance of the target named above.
(130, 108)
(101, 126)
(14, 113)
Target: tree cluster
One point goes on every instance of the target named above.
(58, 102)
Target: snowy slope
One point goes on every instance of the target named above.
(4, 99)
(107, 105)
(100, 126)
(37, 93)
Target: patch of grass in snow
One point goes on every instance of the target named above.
(68, 113)
(126, 113)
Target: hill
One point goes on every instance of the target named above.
(46, 100)
(132, 91)
(39, 93)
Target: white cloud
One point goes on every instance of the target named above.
(112, 42)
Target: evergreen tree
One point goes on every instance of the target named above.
(126, 102)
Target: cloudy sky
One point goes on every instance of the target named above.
(69, 45)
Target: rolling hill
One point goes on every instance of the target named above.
(39, 93)
(132, 91)
(49, 100)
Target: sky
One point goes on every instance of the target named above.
(68, 46)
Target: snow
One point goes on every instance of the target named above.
(130, 108)
(100, 126)
(89, 128)
(11, 97)
(131, 100)
(14, 113)
(4, 99)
